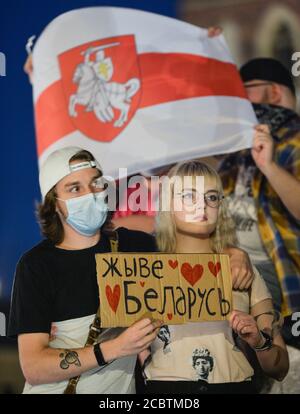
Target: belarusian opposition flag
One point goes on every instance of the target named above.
(138, 89)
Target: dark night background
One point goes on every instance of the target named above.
(19, 173)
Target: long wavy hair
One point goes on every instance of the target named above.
(224, 234)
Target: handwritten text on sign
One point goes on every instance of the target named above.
(175, 288)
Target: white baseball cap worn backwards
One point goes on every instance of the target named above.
(57, 166)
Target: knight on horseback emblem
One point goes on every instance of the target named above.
(97, 92)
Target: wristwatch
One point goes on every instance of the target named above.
(267, 344)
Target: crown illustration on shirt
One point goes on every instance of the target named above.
(201, 353)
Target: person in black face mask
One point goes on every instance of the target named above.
(264, 187)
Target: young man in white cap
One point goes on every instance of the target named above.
(56, 282)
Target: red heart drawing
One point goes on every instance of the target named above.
(173, 263)
(214, 268)
(170, 316)
(113, 297)
(192, 274)
(142, 284)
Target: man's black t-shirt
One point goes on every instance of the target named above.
(53, 285)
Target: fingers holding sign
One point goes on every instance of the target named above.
(137, 337)
(246, 328)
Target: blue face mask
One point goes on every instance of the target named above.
(87, 213)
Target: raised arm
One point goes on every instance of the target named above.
(286, 185)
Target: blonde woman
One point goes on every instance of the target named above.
(204, 357)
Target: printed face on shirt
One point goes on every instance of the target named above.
(164, 334)
(200, 208)
(202, 367)
(77, 184)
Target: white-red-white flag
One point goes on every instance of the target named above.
(138, 89)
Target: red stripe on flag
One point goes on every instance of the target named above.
(174, 76)
(52, 120)
(165, 77)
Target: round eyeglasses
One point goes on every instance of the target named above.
(191, 197)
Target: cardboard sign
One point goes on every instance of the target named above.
(175, 288)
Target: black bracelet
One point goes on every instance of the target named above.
(267, 344)
(99, 356)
